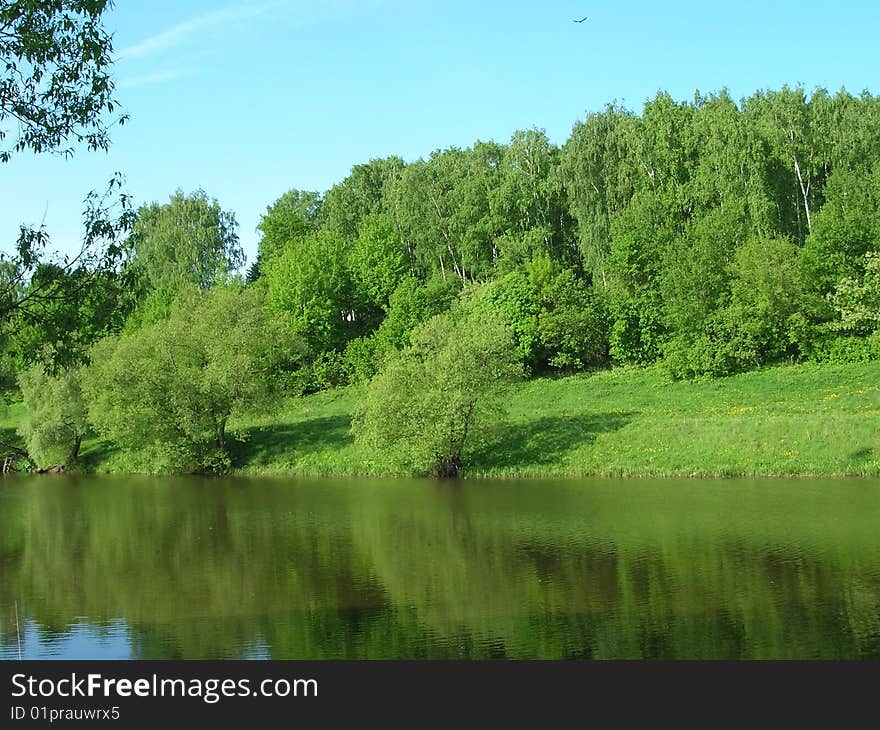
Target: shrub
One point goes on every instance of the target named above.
(426, 405)
(166, 392)
(55, 422)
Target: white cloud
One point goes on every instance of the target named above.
(156, 77)
(177, 34)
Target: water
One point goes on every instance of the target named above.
(199, 568)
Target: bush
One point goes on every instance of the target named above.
(572, 324)
(328, 371)
(166, 392)
(856, 299)
(762, 323)
(359, 359)
(515, 301)
(427, 403)
(848, 349)
(55, 422)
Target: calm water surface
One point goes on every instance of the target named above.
(289, 569)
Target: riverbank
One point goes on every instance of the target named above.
(791, 420)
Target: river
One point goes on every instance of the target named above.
(191, 568)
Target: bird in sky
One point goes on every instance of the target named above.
(579, 21)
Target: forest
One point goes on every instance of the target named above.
(702, 238)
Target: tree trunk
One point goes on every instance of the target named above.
(74, 452)
(805, 192)
(448, 466)
(221, 435)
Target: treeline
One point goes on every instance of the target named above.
(711, 236)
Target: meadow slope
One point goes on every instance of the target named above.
(788, 420)
(792, 420)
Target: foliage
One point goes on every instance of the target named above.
(572, 324)
(759, 322)
(845, 229)
(379, 261)
(56, 83)
(165, 393)
(857, 300)
(310, 283)
(411, 304)
(709, 236)
(847, 349)
(55, 421)
(56, 91)
(293, 215)
(188, 240)
(426, 404)
(366, 191)
(513, 299)
(78, 308)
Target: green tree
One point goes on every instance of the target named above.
(292, 216)
(310, 283)
(573, 323)
(513, 299)
(856, 300)
(442, 207)
(77, 308)
(188, 240)
(411, 304)
(641, 236)
(165, 393)
(844, 230)
(56, 82)
(378, 261)
(56, 94)
(531, 203)
(364, 192)
(426, 404)
(600, 176)
(55, 421)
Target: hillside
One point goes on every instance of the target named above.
(804, 419)
(789, 420)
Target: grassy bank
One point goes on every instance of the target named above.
(788, 420)
(796, 420)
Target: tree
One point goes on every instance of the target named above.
(292, 216)
(427, 402)
(641, 237)
(79, 307)
(600, 176)
(188, 240)
(56, 90)
(513, 299)
(857, 300)
(310, 283)
(364, 192)
(443, 212)
(56, 82)
(411, 304)
(572, 323)
(166, 392)
(378, 260)
(531, 201)
(55, 422)
(788, 123)
(844, 230)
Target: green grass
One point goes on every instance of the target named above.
(10, 416)
(793, 420)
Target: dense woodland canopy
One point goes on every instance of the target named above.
(710, 236)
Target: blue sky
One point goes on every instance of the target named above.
(248, 99)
